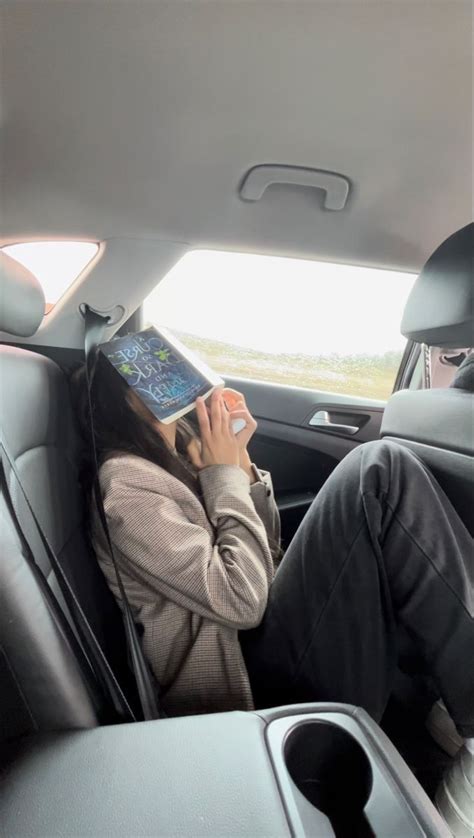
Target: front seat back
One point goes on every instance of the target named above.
(45, 681)
(438, 424)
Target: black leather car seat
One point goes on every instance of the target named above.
(438, 424)
(45, 682)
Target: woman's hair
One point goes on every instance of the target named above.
(118, 428)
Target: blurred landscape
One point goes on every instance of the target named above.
(371, 376)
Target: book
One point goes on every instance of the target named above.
(166, 375)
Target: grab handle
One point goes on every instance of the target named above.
(336, 187)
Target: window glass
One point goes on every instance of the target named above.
(296, 322)
(55, 264)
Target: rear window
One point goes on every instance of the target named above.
(55, 264)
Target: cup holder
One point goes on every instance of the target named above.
(332, 771)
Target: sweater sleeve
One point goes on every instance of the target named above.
(225, 578)
(264, 501)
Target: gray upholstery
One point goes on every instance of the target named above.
(443, 417)
(440, 308)
(464, 378)
(221, 774)
(21, 299)
(36, 428)
(45, 682)
(202, 776)
(42, 686)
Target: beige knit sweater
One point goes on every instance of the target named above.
(193, 579)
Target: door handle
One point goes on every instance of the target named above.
(322, 421)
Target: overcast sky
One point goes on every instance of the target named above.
(282, 305)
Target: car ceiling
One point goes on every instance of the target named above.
(138, 120)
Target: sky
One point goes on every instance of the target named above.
(279, 305)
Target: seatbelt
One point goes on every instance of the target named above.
(91, 646)
(426, 371)
(95, 325)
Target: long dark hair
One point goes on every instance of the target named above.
(118, 429)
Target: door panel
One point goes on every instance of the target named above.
(301, 455)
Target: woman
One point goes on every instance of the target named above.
(195, 529)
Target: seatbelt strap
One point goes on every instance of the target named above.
(91, 646)
(95, 325)
(426, 358)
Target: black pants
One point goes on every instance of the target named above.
(380, 546)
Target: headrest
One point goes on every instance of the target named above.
(439, 311)
(21, 299)
(464, 378)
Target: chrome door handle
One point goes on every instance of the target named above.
(322, 421)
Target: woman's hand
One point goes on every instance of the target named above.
(219, 444)
(238, 409)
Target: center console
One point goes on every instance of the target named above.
(308, 770)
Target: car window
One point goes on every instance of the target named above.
(291, 321)
(56, 264)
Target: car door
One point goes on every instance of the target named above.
(302, 435)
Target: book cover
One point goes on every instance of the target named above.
(165, 374)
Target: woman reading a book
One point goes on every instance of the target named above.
(195, 528)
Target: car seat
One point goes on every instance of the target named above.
(47, 680)
(438, 424)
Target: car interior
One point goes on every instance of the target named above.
(333, 132)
